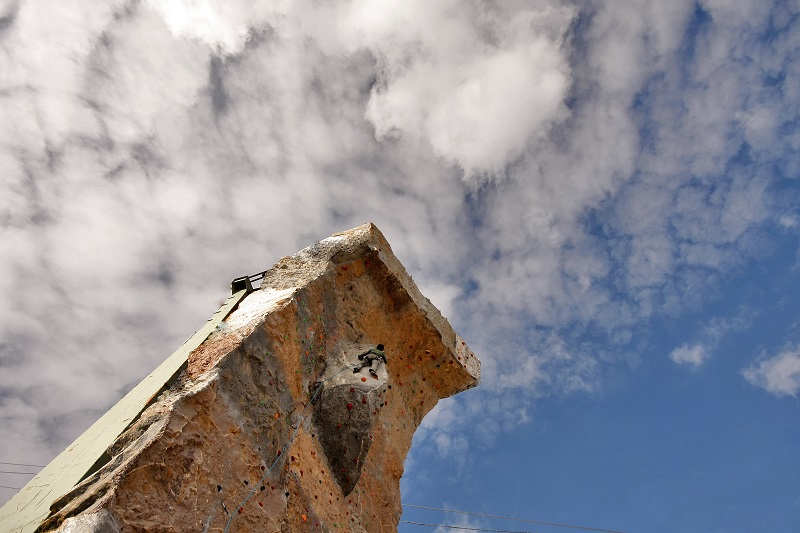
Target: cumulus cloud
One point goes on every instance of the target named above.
(779, 374)
(694, 355)
(555, 174)
(477, 84)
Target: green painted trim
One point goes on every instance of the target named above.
(31, 505)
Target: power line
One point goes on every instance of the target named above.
(511, 519)
(465, 527)
(13, 488)
(13, 472)
(20, 464)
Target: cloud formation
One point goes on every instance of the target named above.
(694, 355)
(779, 374)
(554, 174)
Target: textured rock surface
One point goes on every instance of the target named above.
(269, 429)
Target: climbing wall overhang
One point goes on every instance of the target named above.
(201, 456)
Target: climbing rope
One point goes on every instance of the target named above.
(282, 453)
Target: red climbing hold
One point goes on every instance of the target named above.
(364, 399)
(363, 379)
(349, 406)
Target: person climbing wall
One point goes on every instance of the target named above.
(371, 358)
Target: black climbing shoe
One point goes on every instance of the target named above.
(356, 370)
(374, 374)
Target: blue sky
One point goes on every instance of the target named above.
(602, 197)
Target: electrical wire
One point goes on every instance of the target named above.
(466, 528)
(512, 519)
(13, 488)
(20, 464)
(14, 472)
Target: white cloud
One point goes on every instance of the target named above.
(153, 151)
(477, 84)
(779, 374)
(788, 221)
(694, 355)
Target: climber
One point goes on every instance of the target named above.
(372, 359)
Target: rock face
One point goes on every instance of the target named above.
(269, 429)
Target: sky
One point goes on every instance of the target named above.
(602, 197)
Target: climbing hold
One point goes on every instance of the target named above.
(263, 467)
(277, 416)
(246, 482)
(304, 518)
(364, 399)
(219, 488)
(363, 379)
(260, 504)
(349, 406)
